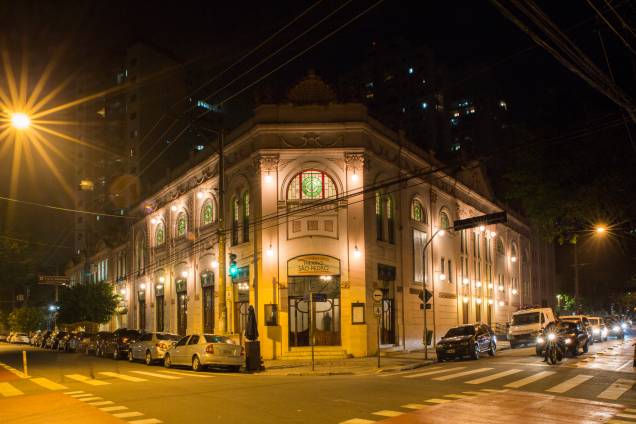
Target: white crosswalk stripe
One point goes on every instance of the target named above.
(493, 376)
(7, 390)
(569, 384)
(48, 384)
(461, 374)
(187, 374)
(387, 413)
(357, 421)
(617, 389)
(146, 421)
(128, 414)
(528, 380)
(423, 374)
(87, 380)
(154, 374)
(123, 376)
(90, 399)
(413, 406)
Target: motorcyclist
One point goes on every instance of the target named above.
(550, 328)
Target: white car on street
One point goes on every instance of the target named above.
(152, 347)
(201, 350)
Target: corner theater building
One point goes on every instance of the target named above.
(323, 205)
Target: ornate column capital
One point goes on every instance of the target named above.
(267, 163)
(355, 160)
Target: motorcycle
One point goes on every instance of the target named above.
(554, 351)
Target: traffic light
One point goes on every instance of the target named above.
(233, 266)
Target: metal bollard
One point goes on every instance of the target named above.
(24, 363)
(634, 356)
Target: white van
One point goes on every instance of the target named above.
(526, 325)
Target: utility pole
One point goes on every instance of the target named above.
(576, 275)
(221, 235)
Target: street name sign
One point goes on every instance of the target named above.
(476, 221)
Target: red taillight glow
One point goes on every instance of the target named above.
(162, 346)
(209, 349)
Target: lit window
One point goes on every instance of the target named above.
(181, 224)
(207, 213)
(311, 185)
(160, 234)
(87, 185)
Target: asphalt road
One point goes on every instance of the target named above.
(136, 393)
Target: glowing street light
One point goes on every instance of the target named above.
(600, 229)
(20, 121)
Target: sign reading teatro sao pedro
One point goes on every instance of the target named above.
(313, 265)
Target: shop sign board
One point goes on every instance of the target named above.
(313, 265)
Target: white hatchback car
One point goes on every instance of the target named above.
(201, 350)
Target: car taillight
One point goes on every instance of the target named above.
(124, 340)
(242, 350)
(209, 349)
(162, 346)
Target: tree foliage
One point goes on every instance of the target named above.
(17, 265)
(27, 319)
(91, 302)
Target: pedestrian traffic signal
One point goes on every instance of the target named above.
(233, 266)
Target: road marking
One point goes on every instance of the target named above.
(413, 406)
(354, 421)
(390, 374)
(619, 422)
(617, 389)
(48, 384)
(113, 408)
(461, 374)
(149, 421)
(422, 374)
(387, 413)
(493, 376)
(154, 374)
(624, 365)
(122, 376)
(458, 396)
(188, 374)
(81, 395)
(494, 390)
(474, 393)
(89, 399)
(435, 400)
(569, 384)
(631, 416)
(83, 379)
(630, 410)
(13, 370)
(7, 390)
(531, 379)
(103, 402)
(73, 393)
(128, 414)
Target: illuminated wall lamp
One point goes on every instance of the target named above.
(466, 281)
(142, 286)
(184, 274)
(465, 299)
(162, 279)
(270, 251)
(173, 208)
(501, 303)
(514, 291)
(354, 176)
(478, 301)
(490, 301)
(513, 259)
(442, 277)
(478, 284)
(153, 221)
(215, 264)
(200, 195)
(501, 288)
(268, 178)
(490, 286)
(356, 252)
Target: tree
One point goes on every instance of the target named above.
(27, 320)
(17, 268)
(87, 303)
(567, 302)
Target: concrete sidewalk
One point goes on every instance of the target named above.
(390, 361)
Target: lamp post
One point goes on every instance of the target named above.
(599, 230)
(440, 232)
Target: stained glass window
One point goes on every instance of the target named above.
(311, 185)
(207, 213)
(246, 217)
(160, 234)
(181, 224)
(416, 211)
(500, 247)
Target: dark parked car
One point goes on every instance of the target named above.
(74, 342)
(62, 343)
(41, 340)
(118, 346)
(467, 340)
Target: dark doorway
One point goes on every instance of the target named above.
(465, 312)
(142, 311)
(207, 284)
(159, 312)
(387, 321)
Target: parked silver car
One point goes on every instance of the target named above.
(152, 347)
(201, 350)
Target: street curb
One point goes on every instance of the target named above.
(407, 367)
(318, 373)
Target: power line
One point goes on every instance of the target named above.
(59, 208)
(600, 14)
(34, 242)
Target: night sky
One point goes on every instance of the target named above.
(470, 39)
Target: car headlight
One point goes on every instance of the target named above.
(616, 328)
(623, 326)
(604, 331)
(568, 341)
(551, 336)
(596, 331)
(540, 340)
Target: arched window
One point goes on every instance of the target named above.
(181, 227)
(379, 220)
(311, 185)
(160, 234)
(140, 254)
(235, 221)
(444, 221)
(246, 217)
(390, 217)
(513, 252)
(417, 211)
(500, 247)
(208, 213)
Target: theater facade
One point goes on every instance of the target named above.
(323, 206)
